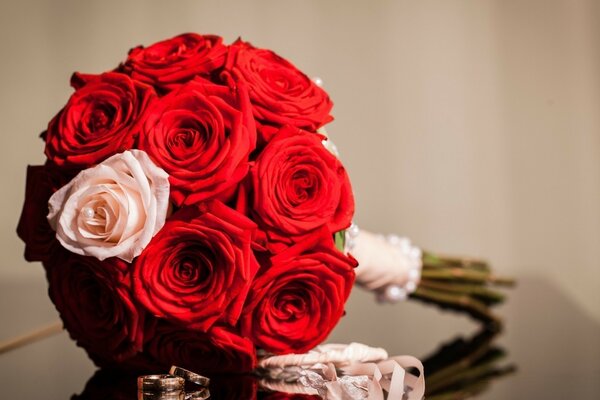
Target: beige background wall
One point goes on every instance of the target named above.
(471, 126)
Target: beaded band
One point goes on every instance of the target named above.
(388, 265)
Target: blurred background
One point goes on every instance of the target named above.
(473, 127)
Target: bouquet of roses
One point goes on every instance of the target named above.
(187, 210)
(192, 211)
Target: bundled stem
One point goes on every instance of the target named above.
(462, 284)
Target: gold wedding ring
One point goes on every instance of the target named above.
(160, 383)
(189, 376)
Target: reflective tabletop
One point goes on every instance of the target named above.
(547, 348)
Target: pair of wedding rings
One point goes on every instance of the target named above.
(171, 386)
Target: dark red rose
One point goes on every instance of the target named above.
(202, 135)
(174, 61)
(99, 120)
(95, 302)
(298, 300)
(299, 186)
(219, 350)
(34, 229)
(197, 270)
(280, 93)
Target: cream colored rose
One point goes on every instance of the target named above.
(112, 209)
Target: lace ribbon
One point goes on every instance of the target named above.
(344, 372)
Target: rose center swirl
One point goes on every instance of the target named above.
(290, 305)
(192, 268)
(98, 118)
(190, 136)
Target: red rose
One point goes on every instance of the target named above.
(197, 270)
(298, 300)
(280, 93)
(99, 120)
(217, 351)
(34, 229)
(95, 303)
(202, 135)
(171, 62)
(299, 186)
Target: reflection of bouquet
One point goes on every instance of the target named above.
(192, 209)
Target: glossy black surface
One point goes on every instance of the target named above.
(548, 349)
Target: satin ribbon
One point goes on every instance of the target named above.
(387, 265)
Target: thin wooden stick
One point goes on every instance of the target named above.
(31, 337)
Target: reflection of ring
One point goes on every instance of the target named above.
(173, 395)
(199, 395)
(161, 383)
(189, 376)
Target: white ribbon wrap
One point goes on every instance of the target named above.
(388, 265)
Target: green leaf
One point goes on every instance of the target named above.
(340, 240)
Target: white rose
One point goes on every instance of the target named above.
(113, 209)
